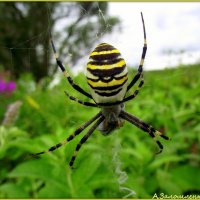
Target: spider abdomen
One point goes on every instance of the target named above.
(107, 74)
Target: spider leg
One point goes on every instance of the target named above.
(135, 93)
(66, 74)
(84, 139)
(140, 68)
(71, 137)
(145, 127)
(80, 101)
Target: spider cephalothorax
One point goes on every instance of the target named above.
(107, 76)
(112, 119)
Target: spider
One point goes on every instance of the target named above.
(108, 81)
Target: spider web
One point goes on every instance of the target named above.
(26, 46)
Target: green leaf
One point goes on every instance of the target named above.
(41, 169)
(12, 190)
(163, 159)
(166, 184)
(86, 169)
(84, 192)
(187, 177)
(51, 190)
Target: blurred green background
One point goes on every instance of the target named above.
(35, 114)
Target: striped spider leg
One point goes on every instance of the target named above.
(80, 101)
(66, 74)
(145, 127)
(98, 116)
(84, 139)
(140, 68)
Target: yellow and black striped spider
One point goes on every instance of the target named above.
(108, 81)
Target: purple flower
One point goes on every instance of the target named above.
(3, 86)
(7, 87)
(10, 86)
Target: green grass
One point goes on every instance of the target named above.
(106, 167)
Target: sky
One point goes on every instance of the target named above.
(172, 33)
